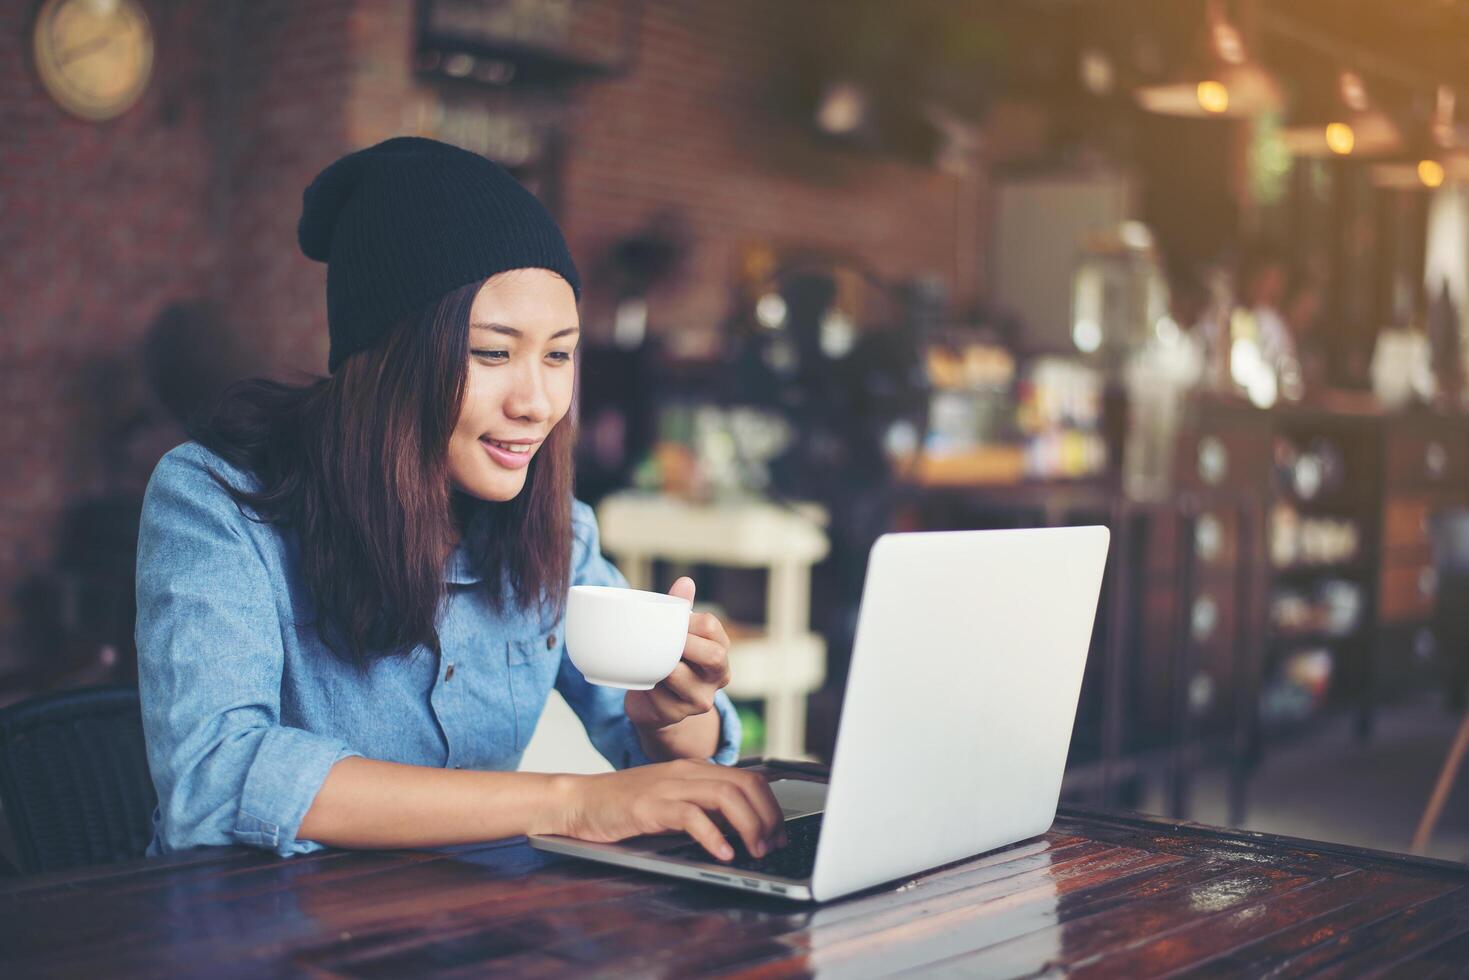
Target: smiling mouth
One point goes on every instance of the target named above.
(510, 447)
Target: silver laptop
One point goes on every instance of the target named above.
(959, 705)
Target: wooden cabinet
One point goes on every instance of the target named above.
(1407, 591)
(1426, 471)
(1406, 528)
(1223, 449)
(1192, 631)
(1193, 686)
(1197, 626)
(1215, 547)
(1407, 659)
(1352, 501)
(1394, 473)
(1426, 454)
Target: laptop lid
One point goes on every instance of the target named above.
(960, 698)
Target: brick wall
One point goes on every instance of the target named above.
(291, 71)
(196, 191)
(192, 193)
(100, 226)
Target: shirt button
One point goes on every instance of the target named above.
(551, 642)
(449, 674)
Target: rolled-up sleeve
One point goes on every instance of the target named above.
(600, 708)
(210, 656)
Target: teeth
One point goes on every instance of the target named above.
(509, 448)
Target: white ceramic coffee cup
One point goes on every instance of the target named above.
(625, 638)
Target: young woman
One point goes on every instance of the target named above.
(349, 592)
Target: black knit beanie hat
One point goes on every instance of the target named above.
(402, 223)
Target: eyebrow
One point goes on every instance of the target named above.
(512, 332)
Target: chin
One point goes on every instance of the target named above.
(497, 491)
(479, 477)
(491, 487)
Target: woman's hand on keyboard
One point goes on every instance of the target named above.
(685, 795)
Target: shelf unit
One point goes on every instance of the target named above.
(547, 46)
(1351, 503)
(1425, 464)
(779, 662)
(1398, 471)
(1185, 652)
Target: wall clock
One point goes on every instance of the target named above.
(94, 56)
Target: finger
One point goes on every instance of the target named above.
(709, 658)
(708, 626)
(692, 692)
(687, 816)
(652, 708)
(683, 589)
(668, 707)
(762, 800)
(729, 802)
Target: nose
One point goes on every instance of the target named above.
(527, 400)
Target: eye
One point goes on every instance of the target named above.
(560, 356)
(492, 356)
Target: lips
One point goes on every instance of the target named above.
(509, 455)
(511, 447)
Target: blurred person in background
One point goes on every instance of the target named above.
(1192, 308)
(1302, 313)
(350, 591)
(1263, 283)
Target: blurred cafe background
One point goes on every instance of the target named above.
(1194, 269)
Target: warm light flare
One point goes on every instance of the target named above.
(1431, 172)
(1339, 138)
(1213, 97)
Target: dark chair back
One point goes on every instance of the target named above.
(74, 778)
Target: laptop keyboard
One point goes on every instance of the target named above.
(796, 860)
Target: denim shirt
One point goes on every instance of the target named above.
(245, 709)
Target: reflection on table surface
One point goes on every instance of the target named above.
(1100, 892)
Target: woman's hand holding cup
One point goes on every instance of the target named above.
(702, 670)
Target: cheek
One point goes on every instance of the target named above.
(562, 391)
(473, 411)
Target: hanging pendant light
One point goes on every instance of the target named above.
(1342, 122)
(1439, 155)
(1222, 82)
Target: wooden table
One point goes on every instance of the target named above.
(1101, 894)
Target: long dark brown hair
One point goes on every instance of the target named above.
(356, 464)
